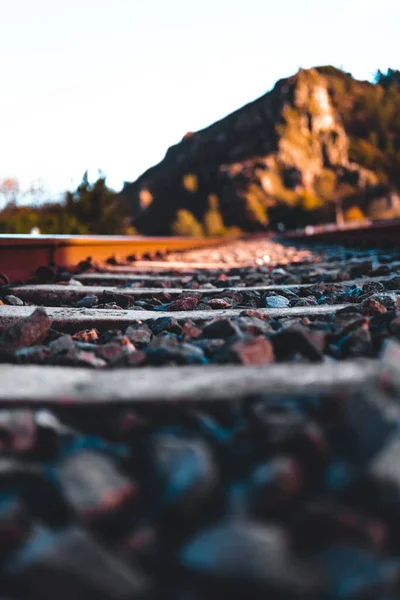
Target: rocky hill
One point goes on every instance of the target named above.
(316, 139)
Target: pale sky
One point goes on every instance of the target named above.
(111, 84)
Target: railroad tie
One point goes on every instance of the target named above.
(220, 421)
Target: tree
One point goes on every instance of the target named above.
(213, 221)
(98, 207)
(90, 209)
(386, 80)
(186, 224)
(9, 189)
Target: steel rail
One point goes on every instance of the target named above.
(379, 232)
(21, 255)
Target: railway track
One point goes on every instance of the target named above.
(372, 233)
(216, 421)
(20, 255)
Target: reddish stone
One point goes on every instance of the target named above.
(372, 307)
(85, 359)
(184, 280)
(113, 350)
(139, 333)
(125, 341)
(219, 303)
(190, 330)
(165, 297)
(253, 351)
(253, 325)
(17, 430)
(188, 303)
(28, 331)
(254, 313)
(86, 335)
(92, 484)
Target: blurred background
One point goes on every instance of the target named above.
(94, 93)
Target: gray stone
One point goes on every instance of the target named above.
(277, 302)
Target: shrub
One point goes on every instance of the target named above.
(255, 204)
(190, 182)
(90, 209)
(186, 224)
(213, 221)
(310, 201)
(354, 214)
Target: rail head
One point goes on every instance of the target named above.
(21, 255)
(375, 232)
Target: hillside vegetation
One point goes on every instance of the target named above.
(90, 209)
(317, 139)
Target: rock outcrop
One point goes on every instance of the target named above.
(282, 158)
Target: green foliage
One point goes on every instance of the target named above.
(310, 201)
(233, 231)
(97, 207)
(364, 152)
(354, 214)
(255, 204)
(371, 117)
(294, 135)
(49, 218)
(252, 195)
(186, 224)
(90, 209)
(213, 221)
(333, 71)
(388, 79)
(381, 209)
(325, 185)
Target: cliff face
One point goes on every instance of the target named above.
(282, 158)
